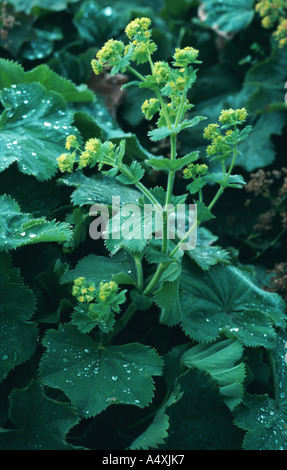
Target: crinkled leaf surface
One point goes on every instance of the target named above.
(41, 423)
(98, 189)
(226, 300)
(13, 73)
(205, 253)
(95, 268)
(28, 5)
(220, 360)
(33, 129)
(167, 298)
(18, 334)
(156, 433)
(199, 420)
(94, 376)
(228, 16)
(263, 418)
(20, 229)
(258, 151)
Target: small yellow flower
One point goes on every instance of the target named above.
(229, 116)
(211, 131)
(85, 159)
(92, 145)
(66, 162)
(150, 107)
(178, 85)
(112, 49)
(184, 57)
(195, 169)
(71, 141)
(79, 281)
(106, 289)
(96, 66)
(161, 72)
(138, 26)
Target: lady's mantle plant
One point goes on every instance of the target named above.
(224, 357)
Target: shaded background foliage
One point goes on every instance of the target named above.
(46, 49)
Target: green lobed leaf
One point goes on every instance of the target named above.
(157, 432)
(264, 422)
(136, 173)
(40, 423)
(20, 229)
(98, 189)
(130, 229)
(120, 269)
(167, 299)
(18, 334)
(258, 150)
(220, 360)
(264, 419)
(28, 5)
(166, 164)
(228, 16)
(34, 126)
(199, 420)
(13, 73)
(206, 254)
(225, 300)
(95, 377)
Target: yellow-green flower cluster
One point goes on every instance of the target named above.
(150, 108)
(195, 169)
(185, 57)
(66, 162)
(92, 146)
(280, 34)
(218, 146)
(273, 13)
(84, 291)
(211, 131)
(94, 152)
(107, 289)
(161, 72)
(231, 116)
(178, 85)
(221, 144)
(110, 53)
(138, 29)
(71, 141)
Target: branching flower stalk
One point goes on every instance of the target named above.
(168, 109)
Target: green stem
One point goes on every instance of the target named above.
(149, 195)
(135, 72)
(180, 110)
(163, 106)
(169, 190)
(216, 197)
(122, 322)
(156, 277)
(233, 158)
(188, 233)
(225, 175)
(200, 195)
(139, 271)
